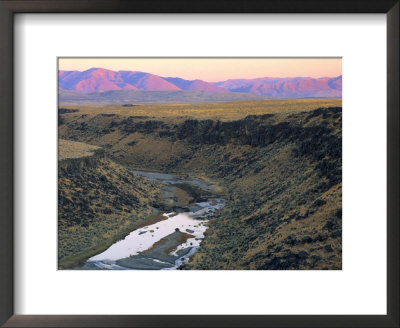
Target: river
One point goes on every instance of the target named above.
(187, 205)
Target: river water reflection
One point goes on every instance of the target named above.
(158, 246)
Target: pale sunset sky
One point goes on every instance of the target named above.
(213, 69)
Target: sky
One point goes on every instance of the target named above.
(213, 69)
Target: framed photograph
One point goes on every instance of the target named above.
(217, 164)
(167, 132)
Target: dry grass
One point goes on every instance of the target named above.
(182, 197)
(221, 111)
(71, 149)
(169, 243)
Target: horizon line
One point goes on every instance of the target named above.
(262, 77)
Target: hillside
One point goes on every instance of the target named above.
(99, 202)
(281, 171)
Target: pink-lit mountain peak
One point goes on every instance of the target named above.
(100, 73)
(147, 81)
(200, 85)
(93, 80)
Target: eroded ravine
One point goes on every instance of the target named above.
(186, 206)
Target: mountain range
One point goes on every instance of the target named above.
(96, 80)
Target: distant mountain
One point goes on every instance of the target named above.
(298, 87)
(197, 85)
(101, 80)
(146, 81)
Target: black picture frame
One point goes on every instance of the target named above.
(10, 7)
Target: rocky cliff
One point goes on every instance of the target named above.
(99, 202)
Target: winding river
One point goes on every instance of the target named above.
(187, 205)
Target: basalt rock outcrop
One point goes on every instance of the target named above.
(77, 164)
